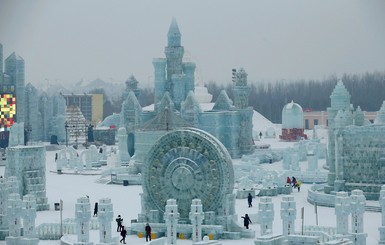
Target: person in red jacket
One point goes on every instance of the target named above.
(148, 232)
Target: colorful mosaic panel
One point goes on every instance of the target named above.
(7, 110)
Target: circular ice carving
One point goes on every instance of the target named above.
(184, 165)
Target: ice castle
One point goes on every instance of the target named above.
(176, 106)
(356, 155)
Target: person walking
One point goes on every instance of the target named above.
(250, 200)
(246, 221)
(299, 183)
(288, 181)
(148, 232)
(123, 233)
(96, 209)
(119, 221)
(294, 182)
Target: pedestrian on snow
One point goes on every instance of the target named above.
(119, 221)
(299, 183)
(294, 181)
(260, 135)
(250, 200)
(96, 209)
(246, 221)
(288, 181)
(56, 156)
(148, 232)
(123, 233)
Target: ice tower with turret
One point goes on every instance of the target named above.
(176, 106)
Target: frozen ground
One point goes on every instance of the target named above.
(126, 202)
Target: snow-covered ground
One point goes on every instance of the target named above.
(126, 201)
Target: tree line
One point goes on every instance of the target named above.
(268, 98)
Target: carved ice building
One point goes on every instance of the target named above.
(175, 106)
(356, 154)
(292, 123)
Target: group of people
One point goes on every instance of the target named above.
(294, 182)
(123, 231)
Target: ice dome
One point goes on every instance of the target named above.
(111, 121)
(292, 116)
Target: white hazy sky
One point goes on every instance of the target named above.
(65, 41)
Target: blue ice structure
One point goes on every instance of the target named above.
(28, 164)
(175, 106)
(292, 123)
(184, 165)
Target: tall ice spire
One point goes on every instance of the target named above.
(174, 35)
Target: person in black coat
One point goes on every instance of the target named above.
(96, 209)
(123, 233)
(250, 200)
(148, 232)
(119, 221)
(246, 221)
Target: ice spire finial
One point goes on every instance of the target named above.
(174, 35)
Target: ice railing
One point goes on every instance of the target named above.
(325, 233)
(53, 231)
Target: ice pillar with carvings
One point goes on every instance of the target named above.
(171, 217)
(12, 185)
(288, 214)
(82, 217)
(105, 217)
(196, 217)
(3, 208)
(357, 206)
(295, 161)
(266, 215)
(382, 204)
(124, 157)
(342, 210)
(29, 217)
(14, 217)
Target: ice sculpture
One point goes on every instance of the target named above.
(176, 106)
(266, 215)
(357, 205)
(292, 122)
(196, 216)
(83, 216)
(171, 217)
(105, 217)
(288, 214)
(28, 162)
(342, 210)
(124, 157)
(16, 136)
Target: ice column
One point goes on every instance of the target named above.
(382, 204)
(266, 215)
(288, 214)
(357, 206)
(295, 161)
(312, 161)
(29, 217)
(3, 208)
(286, 159)
(82, 219)
(105, 217)
(342, 210)
(124, 157)
(14, 215)
(196, 216)
(171, 217)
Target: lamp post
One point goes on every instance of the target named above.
(66, 128)
(86, 126)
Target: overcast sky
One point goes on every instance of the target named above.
(69, 40)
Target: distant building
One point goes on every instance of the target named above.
(313, 118)
(91, 105)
